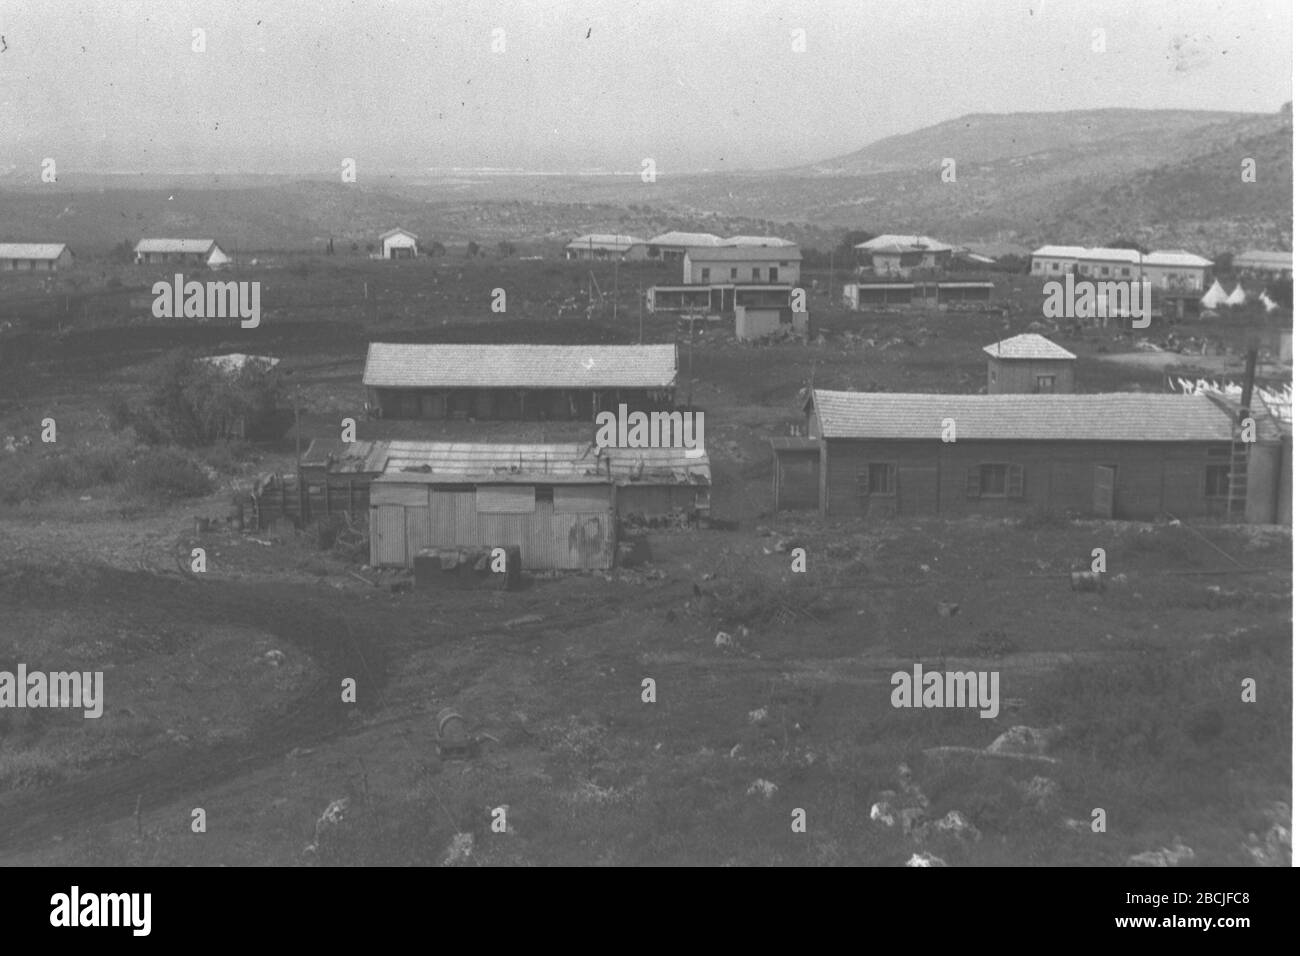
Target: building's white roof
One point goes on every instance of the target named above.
(1257, 257)
(1027, 346)
(745, 254)
(398, 232)
(757, 241)
(1060, 252)
(520, 366)
(686, 239)
(175, 245)
(1106, 254)
(32, 250)
(895, 243)
(1176, 257)
(605, 241)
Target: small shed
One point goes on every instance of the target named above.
(399, 244)
(1029, 364)
(34, 256)
(755, 322)
(196, 252)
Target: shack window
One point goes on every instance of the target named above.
(771, 274)
(880, 479)
(1216, 480)
(704, 274)
(504, 499)
(756, 273)
(734, 270)
(543, 493)
(995, 480)
(1045, 383)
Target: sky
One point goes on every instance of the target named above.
(296, 86)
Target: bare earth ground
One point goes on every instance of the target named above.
(223, 688)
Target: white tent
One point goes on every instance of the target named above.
(1268, 304)
(1238, 296)
(1214, 297)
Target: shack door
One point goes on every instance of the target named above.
(389, 533)
(918, 489)
(1103, 491)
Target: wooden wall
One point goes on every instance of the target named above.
(931, 477)
(1018, 376)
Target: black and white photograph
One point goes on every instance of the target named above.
(663, 433)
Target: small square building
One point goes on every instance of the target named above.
(1029, 364)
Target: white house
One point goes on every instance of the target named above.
(399, 244)
(747, 265)
(672, 246)
(899, 255)
(34, 256)
(1055, 260)
(200, 252)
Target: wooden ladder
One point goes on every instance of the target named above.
(1237, 472)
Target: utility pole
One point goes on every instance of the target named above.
(640, 303)
(616, 258)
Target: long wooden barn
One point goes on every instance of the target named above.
(1122, 456)
(517, 382)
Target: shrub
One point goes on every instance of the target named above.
(167, 473)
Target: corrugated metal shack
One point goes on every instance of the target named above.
(559, 503)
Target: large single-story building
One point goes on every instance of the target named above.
(893, 255)
(601, 246)
(197, 252)
(1171, 271)
(1129, 456)
(399, 244)
(526, 382)
(1029, 364)
(943, 294)
(1270, 265)
(559, 503)
(34, 256)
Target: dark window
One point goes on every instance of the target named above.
(1216, 480)
(1056, 267)
(1045, 383)
(771, 274)
(704, 274)
(995, 480)
(543, 493)
(757, 272)
(1124, 271)
(733, 272)
(880, 478)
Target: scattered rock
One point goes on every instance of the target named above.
(460, 848)
(924, 859)
(274, 658)
(882, 812)
(1024, 740)
(954, 824)
(756, 715)
(526, 619)
(948, 610)
(1180, 854)
(723, 640)
(764, 787)
(1039, 790)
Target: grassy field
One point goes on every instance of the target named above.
(223, 689)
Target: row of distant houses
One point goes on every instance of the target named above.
(666, 247)
(55, 256)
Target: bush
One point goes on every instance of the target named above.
(167, 473)
(26, 477)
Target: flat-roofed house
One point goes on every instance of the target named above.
(896, 255)
(1129, 456)
(194, 252)
(603, 246)
(34, 256)
(1029, 364)
(399, 244)
(558, 503)
(521, 382)
(1176, 270)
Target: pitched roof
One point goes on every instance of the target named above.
(175, 245)
(398, 232)
(686, 239)
(605, 241)
(529, 463)
(1176, 257)
(1105, 254)
(744, 254)
(1030, 345)
(32, 250)
(893, 243)
(1128, 416)
(1060, 252)
(520, 366)
(757, 241)
(1261, 258)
